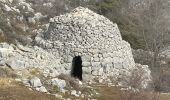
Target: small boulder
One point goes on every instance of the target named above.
(61, 84)
(58, 96)
(80, 83)
(26, 82)
(35, 82)
(43, 89)
(74, 93)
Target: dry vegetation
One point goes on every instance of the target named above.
(19, 92)
(7, 82)
(11, 90)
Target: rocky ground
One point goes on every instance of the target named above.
(16, 91)
(32, 85)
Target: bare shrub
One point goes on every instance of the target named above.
(161, 79)
(139, 78)
(139, 85)
(70, 81)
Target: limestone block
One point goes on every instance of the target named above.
(87, 77)
(35, 82)
(69, 59)
(67, 66)
(100, 71)
(95, 72)
(96, 64)
(16, 64)
(61, 84)
(86, 70)
(108, 60)
(86, 58)
(86, 64)
(96, 59)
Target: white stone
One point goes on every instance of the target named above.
(58, 96)
(96, 64)
(94, 72)
(15, 64)
(38, 16)
(86, 64)
(100, 80)
(49, 4)
(87, 70)
(7, 8)
(54, 73)
(100, 71)
(26, 82)
(31, 20)
(18, 80)
(10, 1)
(35, 82)
(80, 83)
(43, 89)
(61, 84)
(74, 93)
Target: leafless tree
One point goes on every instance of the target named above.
(153, 27)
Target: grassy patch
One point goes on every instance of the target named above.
(20, 92)
(34, 72)
(165, 96)
(7, 82)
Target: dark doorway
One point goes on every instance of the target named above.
(77, 67)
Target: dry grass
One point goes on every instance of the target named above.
(34, 72)
(7, 82)
(142, 95)
(31, 72)
(107, 93)
(7, 72)
(22, 93)
(11, 90)
(114, 93)
(71, 82)
(165, 96)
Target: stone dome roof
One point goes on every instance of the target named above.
(85, 27)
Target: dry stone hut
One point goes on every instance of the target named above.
(91, 38)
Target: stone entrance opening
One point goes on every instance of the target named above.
(77, 67)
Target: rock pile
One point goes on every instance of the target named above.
(20, 57)
(93, 37)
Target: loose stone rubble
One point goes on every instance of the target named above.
(61, 84)
(20, 57)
